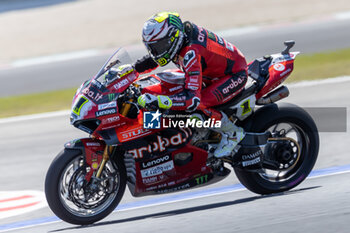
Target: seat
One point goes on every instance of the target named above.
(259, 70)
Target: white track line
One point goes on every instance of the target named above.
(342, 15)
(238, 31)
(341, 79)
(55, 58)
(35, 116)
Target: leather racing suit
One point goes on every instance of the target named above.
(215, 71)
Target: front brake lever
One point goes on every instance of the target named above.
(135, 104)
(136, 91)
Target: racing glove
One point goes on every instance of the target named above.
(114, 73)
(153, 102)
(125, 70)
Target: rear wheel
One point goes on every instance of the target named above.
(284, 121)
(77, 201)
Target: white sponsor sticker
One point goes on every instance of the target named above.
(121, 84)
(111, 120)
(157, 170)
(175, 88)
(189, 56)
(251, 162)
(285, 72)
(107, 105)
(93, 144)
(279, 67)
(150, 180)
(229, 46)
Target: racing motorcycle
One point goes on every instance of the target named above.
(87, 179)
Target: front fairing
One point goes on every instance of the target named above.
(96, 109)
(87, 99)
(95, 102)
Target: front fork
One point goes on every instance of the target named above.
(108, 149)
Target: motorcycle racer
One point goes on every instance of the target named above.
(215, 71)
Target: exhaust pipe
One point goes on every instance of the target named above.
(278, 94)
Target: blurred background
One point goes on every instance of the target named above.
(49, 47)
(43, 27)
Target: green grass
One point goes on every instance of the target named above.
(321, 65)
(307, 67)
(36, 103)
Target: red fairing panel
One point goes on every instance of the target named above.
(132, 132)
(279, 72)
(165, 84)
(163, 87)
(162, 174)
(93, 154)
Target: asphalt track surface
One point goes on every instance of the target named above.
(320, 204)
(310, 37)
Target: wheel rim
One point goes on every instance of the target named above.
(87, 199)
(287, 130)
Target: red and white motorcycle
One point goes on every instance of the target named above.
(87, 179)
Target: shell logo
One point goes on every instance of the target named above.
(14, 203)
(279, 67)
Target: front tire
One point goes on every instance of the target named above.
(302, 126)
(74, 200)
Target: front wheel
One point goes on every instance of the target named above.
(77, 201)
(287, 121)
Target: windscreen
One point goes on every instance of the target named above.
(108, 72)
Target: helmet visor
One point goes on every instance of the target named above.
(159, 47)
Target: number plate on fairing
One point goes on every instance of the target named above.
(245, 107)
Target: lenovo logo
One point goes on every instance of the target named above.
(156, 161)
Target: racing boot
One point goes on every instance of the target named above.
(231, 135)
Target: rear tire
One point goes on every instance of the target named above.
(58, 202)
(285, 114)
